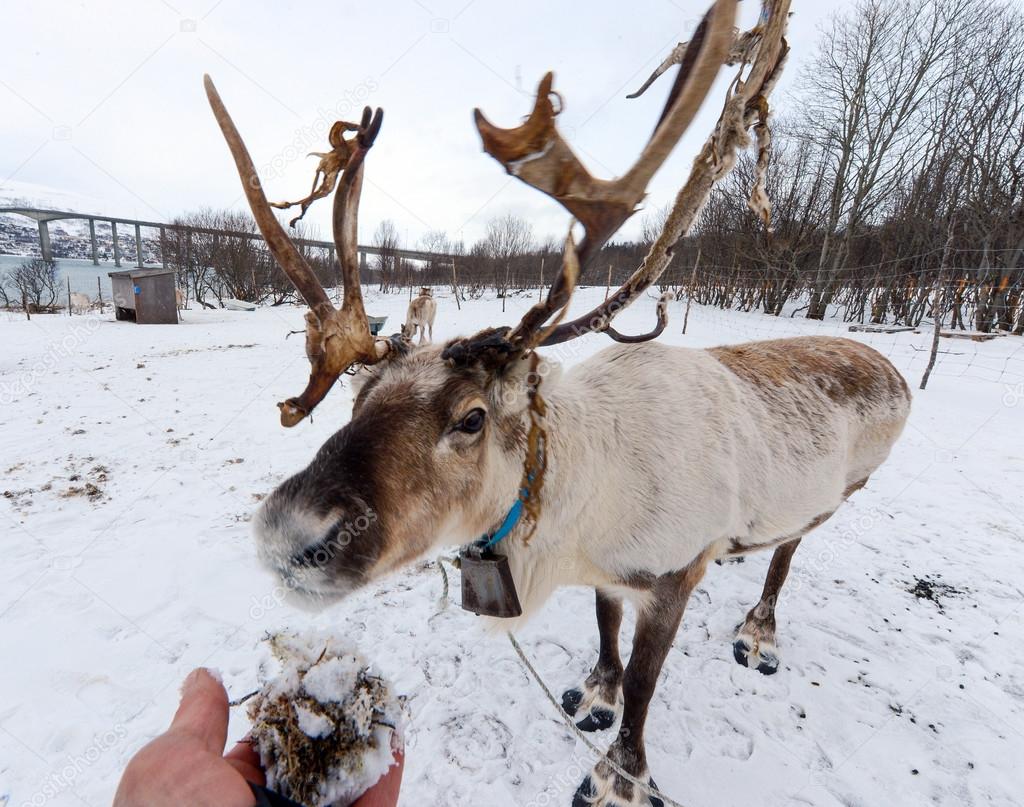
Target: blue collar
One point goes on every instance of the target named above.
(512, 518)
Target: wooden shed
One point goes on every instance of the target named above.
(145, 296)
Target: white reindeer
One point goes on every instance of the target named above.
(636, 468)
(420, 316)
(80, 303)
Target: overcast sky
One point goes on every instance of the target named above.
(105, 99)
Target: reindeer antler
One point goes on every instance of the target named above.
(536, 153)
(335, 339)
(746, 104)
(331, 164)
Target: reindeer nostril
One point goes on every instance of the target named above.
(315, 556)
(318, 555)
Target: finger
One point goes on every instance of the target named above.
(385, 792)
(244, 759)
(203, 712)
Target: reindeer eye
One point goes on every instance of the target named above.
(472, 422)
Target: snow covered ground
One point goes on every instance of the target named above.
(131, 458)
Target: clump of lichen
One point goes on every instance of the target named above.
(325, 726)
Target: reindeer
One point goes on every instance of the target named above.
(636, 468)
(80, 303)
(420, 316)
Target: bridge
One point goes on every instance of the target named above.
(43, 218)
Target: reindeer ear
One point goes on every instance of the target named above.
(362, 376)
(387, 350)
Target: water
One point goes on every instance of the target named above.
(82, 273)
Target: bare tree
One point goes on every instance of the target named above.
(33, 284)
(508, 239)
(386, 263)
(866, 92)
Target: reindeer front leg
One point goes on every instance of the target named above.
(656, 627)
(597, 699)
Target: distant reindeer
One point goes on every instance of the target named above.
(636, 468)
(80, 303)
(420, 316)
(179, 298)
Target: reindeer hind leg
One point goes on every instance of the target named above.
(754, 645)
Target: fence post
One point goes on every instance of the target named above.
(689, 291)
(455, 285)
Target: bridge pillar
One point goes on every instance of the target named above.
(92, 242)
(362, 262)
(163, 247)
(117, 247)
(138, 246)
(44, 240)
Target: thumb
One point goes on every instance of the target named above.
(203, 712)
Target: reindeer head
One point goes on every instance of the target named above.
(431, 454)
(439, 437)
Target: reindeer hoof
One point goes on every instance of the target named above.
(593, 708)
(586, 796)
(769, 664)
(598, 719)
(765, 660)
(571, 700)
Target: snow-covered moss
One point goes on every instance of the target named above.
(324, 724)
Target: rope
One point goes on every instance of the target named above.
(644, 786)
(453, 561)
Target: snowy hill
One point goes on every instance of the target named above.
(69, 238)
(30, 194)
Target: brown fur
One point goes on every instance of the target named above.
(844, 370)
(760, 621)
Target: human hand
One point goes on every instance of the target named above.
(184, 765)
